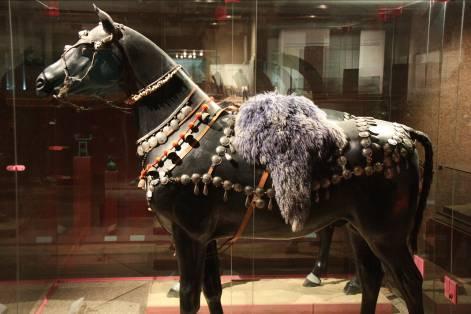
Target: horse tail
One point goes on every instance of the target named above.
(424, 140)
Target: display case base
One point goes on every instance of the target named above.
(271, 295)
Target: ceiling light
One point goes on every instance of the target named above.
(312, 16)
(322, 6)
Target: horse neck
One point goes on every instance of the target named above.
(152, 110)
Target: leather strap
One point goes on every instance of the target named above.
(248, 214)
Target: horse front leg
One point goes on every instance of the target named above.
(320, 266)
(212, 287)
(191, 257)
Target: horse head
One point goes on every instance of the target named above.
(111, 56)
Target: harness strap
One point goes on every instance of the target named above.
(248, 214)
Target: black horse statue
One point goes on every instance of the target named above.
(201, 189)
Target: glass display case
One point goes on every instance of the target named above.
(75, 232)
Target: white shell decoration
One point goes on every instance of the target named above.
(174, 124)
(140, 150)
(161, 137)
(180, 116)
(145, 146)
(152, 141)
(166, 129)
(186, 110)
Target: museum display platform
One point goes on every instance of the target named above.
(241, 294)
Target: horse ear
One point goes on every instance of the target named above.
(106, 21)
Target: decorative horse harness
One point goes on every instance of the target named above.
(374, 147)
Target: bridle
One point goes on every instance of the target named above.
(97, 45)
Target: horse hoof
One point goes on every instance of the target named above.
(308, 283)
(174, 292)
(351, 288)
(311, 281)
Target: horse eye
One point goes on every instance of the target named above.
(85, 51)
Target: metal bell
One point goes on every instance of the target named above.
(217, 181)
(259, 203)
(195, 178)
(225, 141)
(358, 171)
(216, 160)
(220, 150)
(207, 179)
(185, 179)
(227, 185)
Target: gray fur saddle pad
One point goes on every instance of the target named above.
(306, 151)
(288, 135)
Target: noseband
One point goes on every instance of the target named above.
(97, 46)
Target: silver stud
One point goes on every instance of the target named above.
(185, 179)
(152, 141)
(161, 137)
(358, 171)
(227, 131)
(220, 150)
(259, 191)
(248, 190)
(217, 181)
(195, 178)
(206, 178)
(216, 160)
(224, 140)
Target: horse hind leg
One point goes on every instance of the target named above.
(399, 262)
(369, 271)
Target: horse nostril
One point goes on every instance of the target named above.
(41, 83)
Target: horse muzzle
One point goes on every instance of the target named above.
(49, 79)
